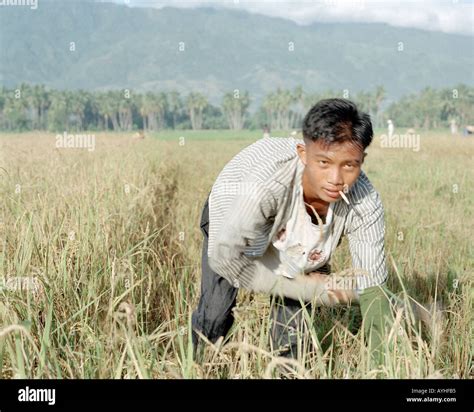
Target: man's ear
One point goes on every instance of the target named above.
(301, 149)
(363, 157)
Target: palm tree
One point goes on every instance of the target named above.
(380, 94)
(113, 99)
(235, 109)
(143, 109)
(298, 99)
(34, 100)
(269, 105)
(175, 105)
(161, 105)
(77, 105)
(15, 112)
(58, 111)
(154, 108)
(108, 106)
(125, 106)
(284, 99)
(102, 108)
(430, 106)
(196, 102)
(38, 99)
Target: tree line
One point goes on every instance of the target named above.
(36, 107)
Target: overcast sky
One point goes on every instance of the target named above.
(450, 16)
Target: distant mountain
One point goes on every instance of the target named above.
(137, 48)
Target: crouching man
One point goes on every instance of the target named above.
(277, 212)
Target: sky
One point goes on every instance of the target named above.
(449, 16)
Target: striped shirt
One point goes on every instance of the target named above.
(251, 200)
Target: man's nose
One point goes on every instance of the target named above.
(335, 177)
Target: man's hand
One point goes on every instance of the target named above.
(337, 295)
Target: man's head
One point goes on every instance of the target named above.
(335, 135)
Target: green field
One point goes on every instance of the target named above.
(110, 240)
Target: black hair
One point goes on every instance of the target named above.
(337, 121)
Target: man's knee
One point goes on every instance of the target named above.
(211, 323)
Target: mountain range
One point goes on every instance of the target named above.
(100, 46)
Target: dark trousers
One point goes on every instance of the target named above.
(213, 317)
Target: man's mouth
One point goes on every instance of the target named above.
(334, 194)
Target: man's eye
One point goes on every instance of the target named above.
(349, 166)
(323, 162)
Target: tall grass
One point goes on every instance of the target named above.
(112, 242)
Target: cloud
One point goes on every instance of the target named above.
(449, 16)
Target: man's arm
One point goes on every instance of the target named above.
(311, 287)
(366, 243)
(252, 208)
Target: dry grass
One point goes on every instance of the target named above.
(112, 241)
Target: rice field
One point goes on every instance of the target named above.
(100, 262)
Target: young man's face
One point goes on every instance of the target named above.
(328, 169)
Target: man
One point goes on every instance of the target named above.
(253, 201)
(391, 128)
(266, 131)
